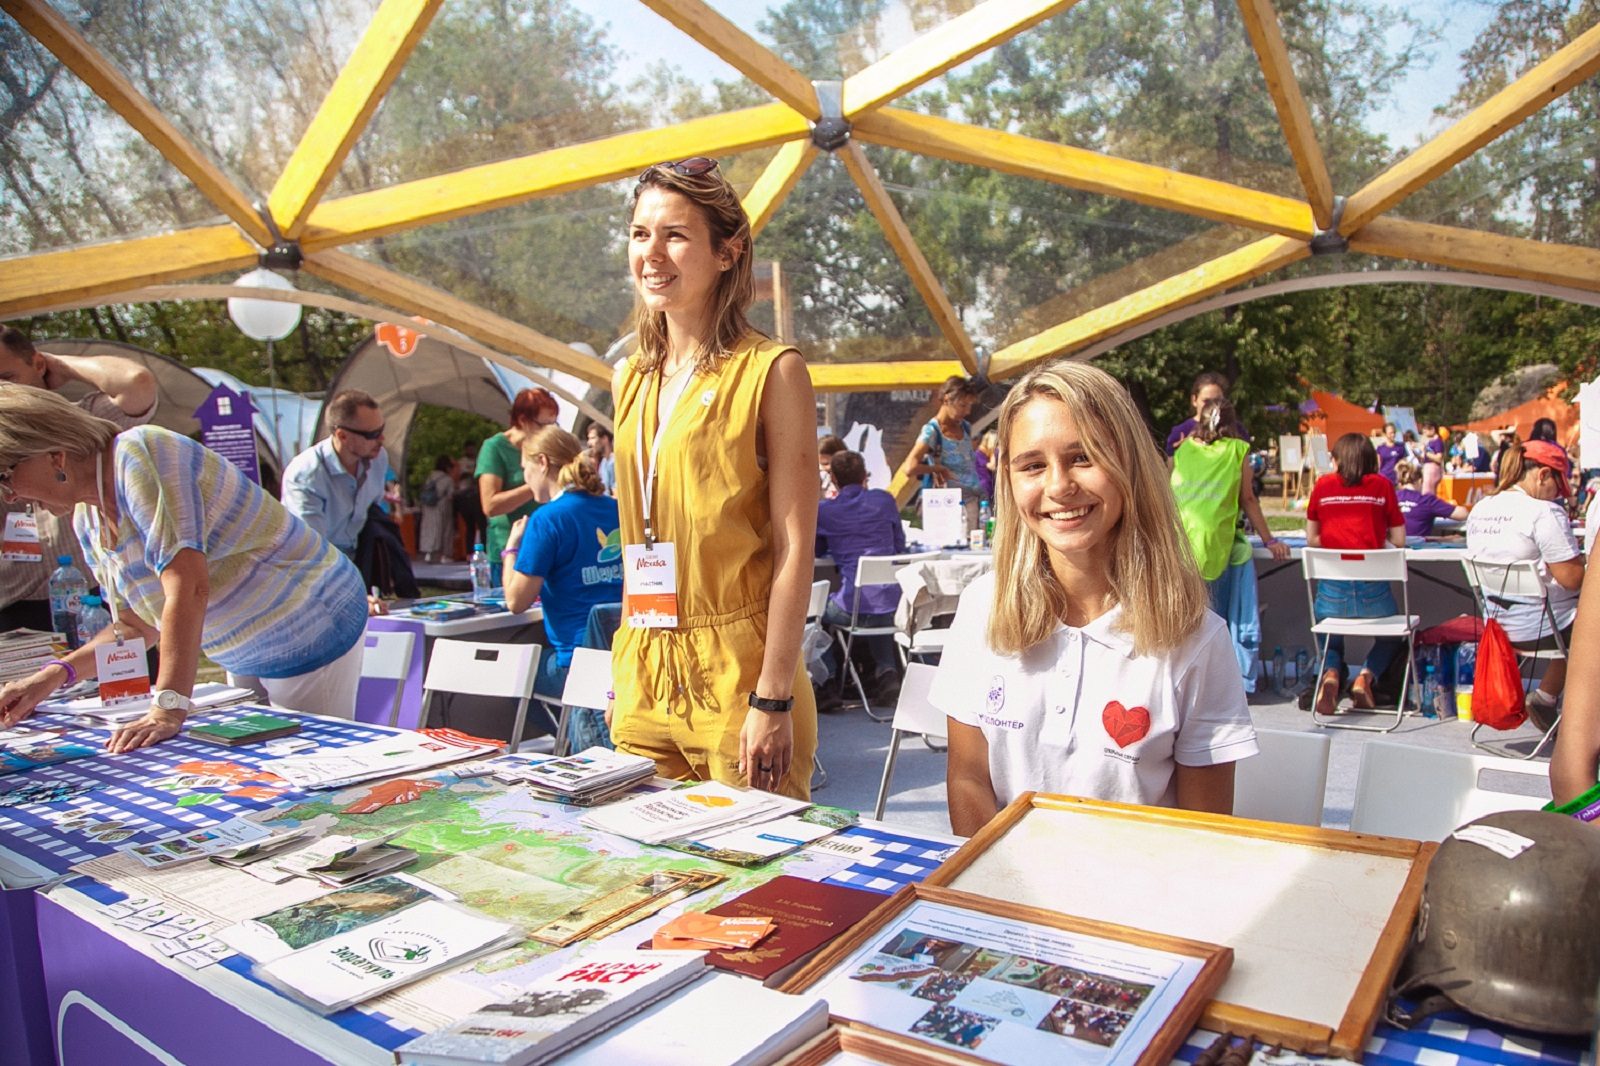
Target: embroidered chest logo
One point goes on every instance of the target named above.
(996, 700)
(1125, 725)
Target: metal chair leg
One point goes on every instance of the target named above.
(819, 774)
(517, 725)
(888, 773)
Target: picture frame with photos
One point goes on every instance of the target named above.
(946, 976)
(1319, 919)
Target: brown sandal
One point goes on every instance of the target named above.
(1327, 701)
(1361, 692)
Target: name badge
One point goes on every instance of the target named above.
(650, 585)
(21, 543)
(124, 671)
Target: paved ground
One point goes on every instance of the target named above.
(853, 751)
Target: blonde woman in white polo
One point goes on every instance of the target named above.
(1087, 663)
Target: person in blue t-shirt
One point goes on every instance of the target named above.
(568, 552)
(1421, 508)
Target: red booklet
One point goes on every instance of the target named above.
(807, 915)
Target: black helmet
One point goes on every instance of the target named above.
(1507, 929)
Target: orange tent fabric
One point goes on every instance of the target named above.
(1523, 416)
(1338, 416)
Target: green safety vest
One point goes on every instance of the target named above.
(1205, 480)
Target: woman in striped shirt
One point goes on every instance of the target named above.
(196, 557)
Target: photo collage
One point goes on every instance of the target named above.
(973, 990)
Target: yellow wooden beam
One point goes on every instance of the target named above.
(64, 41)
(385, 45)
(741, 51)
(1261, 21)
(882, 377)
(1090, 171)
(905, 246)
(1226, 271)
(366, 215)
(416, 297)
(948, 45)
(777, 182)
(35, 283)
(1489, 253)
(1575, 63)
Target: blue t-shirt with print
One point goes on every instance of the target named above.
(574, 544)
(957, 455)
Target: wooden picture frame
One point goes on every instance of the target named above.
(1180, 1020)
(1287, 898)
(876, 1047)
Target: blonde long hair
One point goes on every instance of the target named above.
(1153, 575)
(36, 422)
(718, 203)
(575, 468)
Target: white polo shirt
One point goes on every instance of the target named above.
(1512, 526)
(1082, 715)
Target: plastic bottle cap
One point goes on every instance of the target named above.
(63, 560)
(90, 601)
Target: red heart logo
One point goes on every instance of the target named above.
(1125, 725)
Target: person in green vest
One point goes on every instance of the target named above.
(1212, 484)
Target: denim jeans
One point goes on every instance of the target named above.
(1358, 599)
(880, 648)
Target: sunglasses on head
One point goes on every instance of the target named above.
(366, 434)
(684, 168)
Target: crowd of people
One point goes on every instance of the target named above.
(1107, 653)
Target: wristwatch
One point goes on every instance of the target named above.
(168, 699)
(761, 703)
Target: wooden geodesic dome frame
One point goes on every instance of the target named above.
(802, 120)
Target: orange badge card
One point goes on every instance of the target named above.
(709, 931)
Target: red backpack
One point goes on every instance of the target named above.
(1497, 698)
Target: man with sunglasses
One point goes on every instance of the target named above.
(331, 484)
(120, 391)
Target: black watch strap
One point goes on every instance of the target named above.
(761, 703)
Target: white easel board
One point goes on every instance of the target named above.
(1318, 919)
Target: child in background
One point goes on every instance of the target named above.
(1087, 662)
(1419, 507)
(1354, 507)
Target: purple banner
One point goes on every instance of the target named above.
(227, 427)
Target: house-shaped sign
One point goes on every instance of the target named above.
(227, 427)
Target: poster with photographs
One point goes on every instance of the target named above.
(1009, 990)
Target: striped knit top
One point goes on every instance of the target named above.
(283, 600)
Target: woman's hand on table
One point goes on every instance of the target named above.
(153, 728)
(1279, 550)
(766, 748)
(19, 698)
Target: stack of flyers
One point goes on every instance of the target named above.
(192, 844)
(589, 776)
(44, 751)
(401, 753)
(356, 965)
(176, 935)
(338, 860)
(757, 842)
(689, 812)
(695, 931)
(250, 857)
(22, 651)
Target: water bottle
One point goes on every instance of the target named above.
(68, 587)
(1428, 691)
(1277, 669)
(1302, 668)
(986, 522)
(1466, 666)
(482, 582)
(92, 618)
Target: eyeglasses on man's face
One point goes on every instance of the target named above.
(364, 434)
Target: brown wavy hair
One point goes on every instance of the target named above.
(719, 205)
(575, 468)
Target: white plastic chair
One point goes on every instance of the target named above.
(1346, 564)
(386, 656)
(1424, 794)
(1521, 580)
(588, 685)
(871, 570)
(473, 669)
(1286, 781)
(912, 714)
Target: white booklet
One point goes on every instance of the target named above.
(368, 961)
(565, 1006)
(401, 753)
(659, 817)
(593, 768)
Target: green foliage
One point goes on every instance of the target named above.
(441, 431)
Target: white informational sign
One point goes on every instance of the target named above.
(943, 521)
(866, 440)
(1404, 420)
(1589, 426)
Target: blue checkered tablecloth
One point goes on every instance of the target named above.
(900, 860)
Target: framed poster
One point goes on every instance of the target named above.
(839, 1046)
(995, 982)
(1318, 919)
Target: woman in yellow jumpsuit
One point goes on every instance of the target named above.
(716, 443)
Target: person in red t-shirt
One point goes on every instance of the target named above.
(1354, 507)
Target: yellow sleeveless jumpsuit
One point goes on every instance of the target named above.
(681, 694)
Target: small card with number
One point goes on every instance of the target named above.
(650, 585)
(123, 670)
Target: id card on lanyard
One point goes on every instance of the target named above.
(21, 543)
(121, 666)
(650, 570)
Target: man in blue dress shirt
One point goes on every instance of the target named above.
(331, 484)
(862, 521)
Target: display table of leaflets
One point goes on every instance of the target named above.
(89, 984)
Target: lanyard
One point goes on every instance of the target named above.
(668, 395)
(105, 579)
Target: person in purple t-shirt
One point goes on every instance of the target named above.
(1421, 508)
(1390, 452)
(861, 521)
(1208, 386)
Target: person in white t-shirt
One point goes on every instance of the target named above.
(1523, 521)
(1087, 663)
